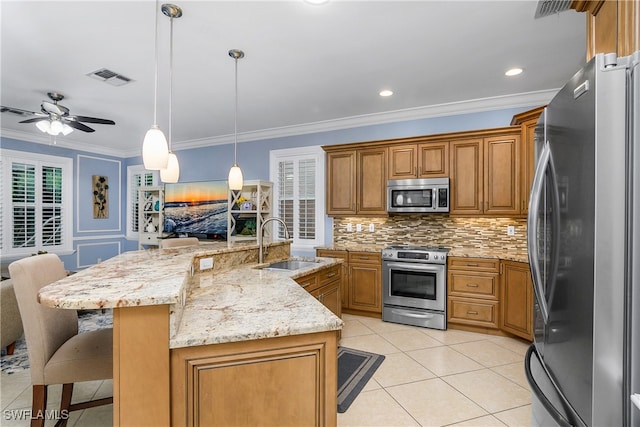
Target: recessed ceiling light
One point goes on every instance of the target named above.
(513, 72)
(386, 92)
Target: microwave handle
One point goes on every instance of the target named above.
(434, 198)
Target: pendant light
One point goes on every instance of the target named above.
(154, 147)
(235, 173)
(172, 172)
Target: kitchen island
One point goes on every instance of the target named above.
(234, 344)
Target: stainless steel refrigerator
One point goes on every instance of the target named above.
(584, 250)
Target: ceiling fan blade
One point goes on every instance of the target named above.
(36, 119)
(20, 112)
(92, 120)
(79, 126)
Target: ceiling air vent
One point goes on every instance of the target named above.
(110, 77)
(551, 7)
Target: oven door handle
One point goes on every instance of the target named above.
(412, 314)
(414, 266)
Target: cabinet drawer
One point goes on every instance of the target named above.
(329, 253)
(474, 285)
(475, 264)
(308, 282)
(327, 275)
(365, 258)
(148, 239)
(470, 312)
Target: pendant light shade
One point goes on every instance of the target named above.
(235, 173)
(171, 172)
(155, 152)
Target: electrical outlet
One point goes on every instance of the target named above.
(349, 228)
(372, 228)
(511, 230)
(358, 227)
(206, 263)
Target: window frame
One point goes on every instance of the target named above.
(296, 154)
(40, 161)
(133, 170)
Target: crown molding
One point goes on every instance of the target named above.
(527, 99)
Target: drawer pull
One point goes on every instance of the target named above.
(472, 312)
(363, 257)
(472, 285)
(472, 264)
(331, 274)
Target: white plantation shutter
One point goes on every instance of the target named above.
(137, 177)
(297, 175)
(36, 195)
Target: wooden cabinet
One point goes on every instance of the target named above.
(362, 281)
(612, 26)
(365, 282)
(357, 182)
(473, 292)
(426, 160)
(516, 290)
(527, 122)
(325, 286)
(344, 277)
(485, 175)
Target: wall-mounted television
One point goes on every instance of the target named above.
(197, 209)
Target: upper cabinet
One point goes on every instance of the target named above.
(425, 160)
(612, 26)
(485, 175)
(527, 122)
(356, 181)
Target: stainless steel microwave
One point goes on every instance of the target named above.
(426, 195)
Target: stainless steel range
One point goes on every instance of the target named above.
(414, 285)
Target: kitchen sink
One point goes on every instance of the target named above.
(290, 265)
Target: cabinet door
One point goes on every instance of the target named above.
(403, 161)
(365, 287)
(466, 177)
(372, 181)
(433, 160)
(517, 299)
(329, 295)
(344, 280)
(501, 177)
(341, 183)
(527, 168)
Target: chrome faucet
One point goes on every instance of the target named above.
(261, 250)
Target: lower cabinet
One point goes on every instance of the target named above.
(362, 283)
(490, 295)
(325, 286)
(516, 289)
(288, 380)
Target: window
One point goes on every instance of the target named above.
(137, 177)
(36, 193)
(298, 193)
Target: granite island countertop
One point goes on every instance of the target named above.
(234, 303)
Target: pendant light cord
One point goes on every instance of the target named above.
(235, 124)
(155, 91)
(170, 82)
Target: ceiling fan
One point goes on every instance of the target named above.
(54, 118)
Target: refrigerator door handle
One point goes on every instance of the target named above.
(537, 188)
(635, 398)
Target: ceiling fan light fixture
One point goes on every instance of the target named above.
(44, 125)
(66, 129)
(56, 127)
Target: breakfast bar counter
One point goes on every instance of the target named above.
(194, 347)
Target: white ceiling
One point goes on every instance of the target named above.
(307, 68)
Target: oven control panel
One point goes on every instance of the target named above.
(414, 254)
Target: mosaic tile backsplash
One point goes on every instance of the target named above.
(432, 230)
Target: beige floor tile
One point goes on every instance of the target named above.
(517, 417)
(514, 372)
(100, 416)
(354, 328)
(381, 327)
(12, 386)
(490, 390)
(444, 361)
(370, 343)
(411, 339)
(398, 368)
(435, 403)
(486, 421)
(514, 344)
(372, 384)
(488, 353)
(453, 336)
(375, 408)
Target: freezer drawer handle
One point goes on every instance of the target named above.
(635, 398)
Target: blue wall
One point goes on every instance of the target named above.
(99, 239)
